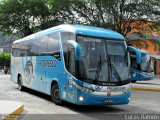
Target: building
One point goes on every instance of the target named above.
(148, 31)
(5, 48)
(6, 42)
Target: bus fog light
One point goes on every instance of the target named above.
(81, 98)
(134, 74)
(129, 98)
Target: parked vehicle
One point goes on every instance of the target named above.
(83, 65)
(141, 65)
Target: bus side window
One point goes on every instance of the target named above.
(53, 45)
(41, 45)
(71, 60)
(34, 47)
(64, 37)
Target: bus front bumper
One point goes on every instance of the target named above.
(142, 76)
(90, 99)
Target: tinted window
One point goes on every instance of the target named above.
(71, 58)
(47, 45)
(41, 44)
(64, 37)
(134, 63)
(52, 43)
(20, 49)
(34, 48)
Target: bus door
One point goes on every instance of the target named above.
(71, 67)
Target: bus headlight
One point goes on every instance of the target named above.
(81, 98)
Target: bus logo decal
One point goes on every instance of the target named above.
(98, 88)
(28, 72)
(47, 63)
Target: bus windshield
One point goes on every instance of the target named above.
(146, 65)
(103, 60)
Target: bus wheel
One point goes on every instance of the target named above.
(55, 95)
(20, 86)
(134, 81)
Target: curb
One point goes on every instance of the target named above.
(15, 114)
(146, 89)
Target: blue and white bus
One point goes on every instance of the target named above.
(80, 64)
(141, 65)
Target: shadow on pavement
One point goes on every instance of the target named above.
(91, 110)
(37, 94)
(77, 108)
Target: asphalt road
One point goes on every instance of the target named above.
(39, 106)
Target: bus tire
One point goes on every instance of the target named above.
(20, 86)
(55, 95)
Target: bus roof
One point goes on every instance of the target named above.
(81, 30)
(138, 50)
(138, 53)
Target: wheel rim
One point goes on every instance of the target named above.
(56, 94)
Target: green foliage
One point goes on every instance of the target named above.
(29, 16)
(143, 43)
(5, 59)
(104, 13)
(66, 10)
(25, 16)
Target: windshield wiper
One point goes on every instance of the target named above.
(99, 67)
(126, 58)
(114, 70)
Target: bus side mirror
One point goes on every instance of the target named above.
(78, 49)
(153, 58)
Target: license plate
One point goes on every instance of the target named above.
(108, 100)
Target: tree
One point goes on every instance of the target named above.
(29, 16)
(25, 16)
(112, 14)
(118, 15)
(67, 10)
(5, 59)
